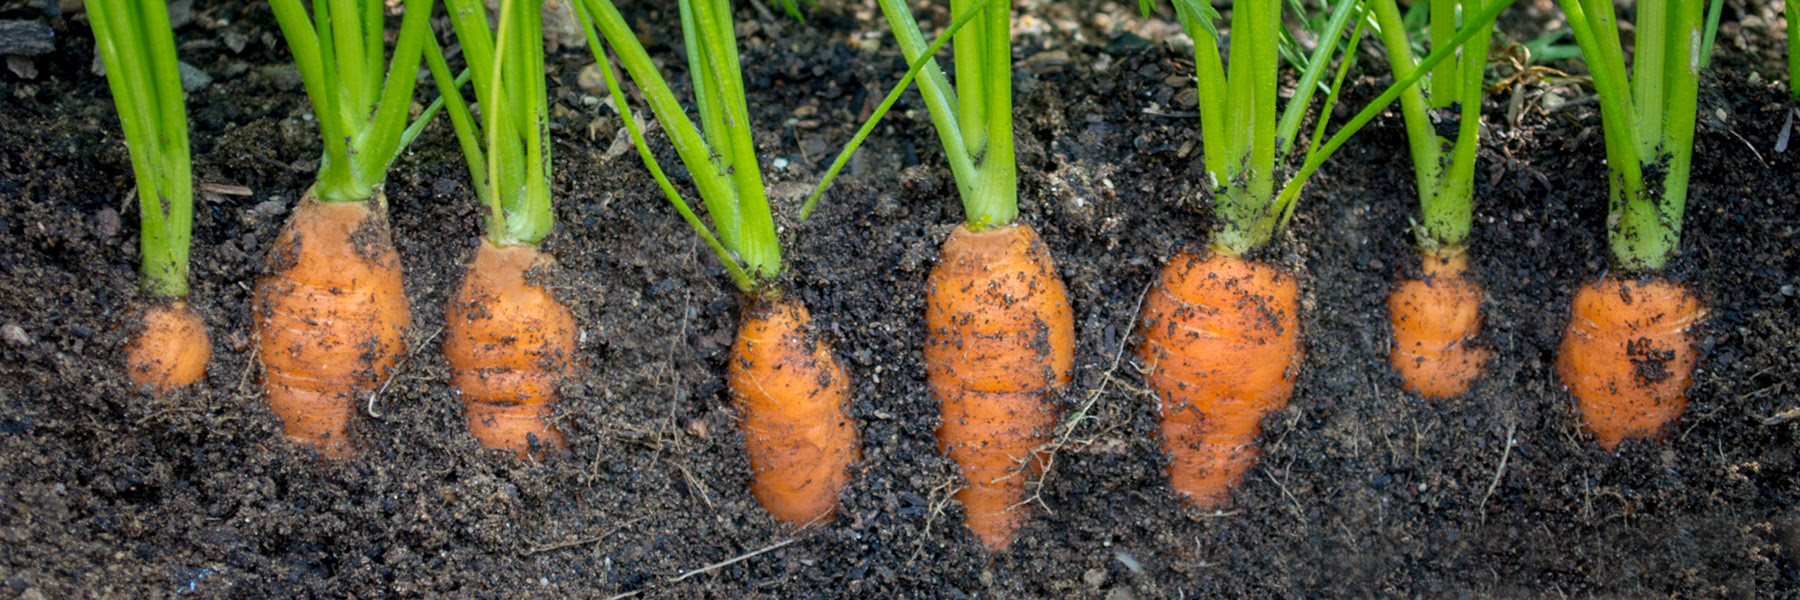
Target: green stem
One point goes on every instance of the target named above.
(584, 11)
(138, 49)
(940, 99)
(887, 103)
(759, 248)
(1648, 70)
(1421, 137)
(1320, 61)
(1474, 25)
(1445, 83)
(996, 199)
(1792, 8)
(1448, 215)
(1243, 212)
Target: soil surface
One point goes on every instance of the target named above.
(1362, 490)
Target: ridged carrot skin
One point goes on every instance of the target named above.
(509, 344)
(1628, 355)
(172, 349)
(791, 395)
(1221, 341)
(330, 318)
(1435, 320)
(1000, 343)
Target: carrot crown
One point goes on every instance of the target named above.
(508, 157)
(1648, 116)
(1446, 191)
(138, 49)
(1243, 142)
(362, 113)
(720, 154)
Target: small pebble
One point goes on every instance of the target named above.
(1787, 290)
(192, 78)
(1094, 577)
(15, 335)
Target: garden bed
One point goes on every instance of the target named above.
(1362, 489)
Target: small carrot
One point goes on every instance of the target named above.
(1628, 355)
(1435, 320)
(330, 316)
(1221, 340)
(999, 342)
(509, 344)
(792, 394)
(172, 349)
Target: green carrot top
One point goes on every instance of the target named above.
(361, 112)
(720, 153)
(138, 48)
(510, 164)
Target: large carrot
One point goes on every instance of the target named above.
(785, 384)
(999, 342)
(509, 344)
(1435, 320)
(1221, 330)
(1221, 343)
(791, 393)
(1628, 355)
(170, 349)
(330, 312)
(1628, 352)
(330, 318)
(508, 341)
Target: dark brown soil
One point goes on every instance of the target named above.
(1363, 489)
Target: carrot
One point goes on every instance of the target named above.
(509, 344)
(1000, 341)
(789, 391)
(792, 394)
(1221, 340)
(329, 318)
(1435, 321)
(1628, 355)
(172, 349)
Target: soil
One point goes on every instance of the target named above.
(1362, 490)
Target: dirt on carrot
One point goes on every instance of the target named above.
(509, 344)
(1629, 354)
(330, 319)
(172, 349)
(1436, 320)
(791, 396)
(1363, 489)
(999, 344)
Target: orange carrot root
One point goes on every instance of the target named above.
(171, 351)
(509, 344)
(330, 318)
(1221, 339)
(1435, 321)
(791, 394)
(1000, 342)
(1628, 355)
